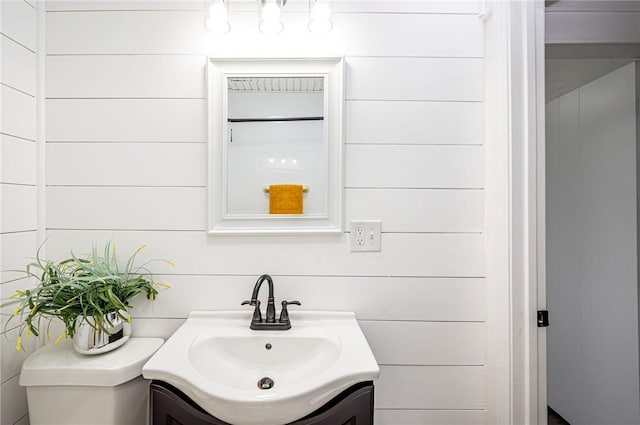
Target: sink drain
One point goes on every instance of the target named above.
(265, 383)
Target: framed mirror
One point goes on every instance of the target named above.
(275, 146)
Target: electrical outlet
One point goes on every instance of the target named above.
(366, 235)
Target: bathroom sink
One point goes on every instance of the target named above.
(238, 360)
(248, 377)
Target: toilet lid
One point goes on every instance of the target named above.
(62, 365)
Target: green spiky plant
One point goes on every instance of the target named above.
(78, 288)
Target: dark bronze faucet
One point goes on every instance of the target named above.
(270, 323)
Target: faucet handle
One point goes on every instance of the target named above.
(257, 315)
(284, 313)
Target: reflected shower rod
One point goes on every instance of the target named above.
(281, 119)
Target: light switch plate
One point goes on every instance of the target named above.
(366, 236)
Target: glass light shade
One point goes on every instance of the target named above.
(270, 19)
(217, 26)
(320, 19)
(217, 20)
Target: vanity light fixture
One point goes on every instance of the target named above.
(217, 19)
(319, 17)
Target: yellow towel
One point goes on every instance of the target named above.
(285, 199)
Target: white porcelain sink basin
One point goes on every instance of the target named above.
(216, 360)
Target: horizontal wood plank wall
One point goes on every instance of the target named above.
(126, 147)
(18, 201)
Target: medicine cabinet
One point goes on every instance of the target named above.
(275, 122)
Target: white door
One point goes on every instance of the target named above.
(592, 266)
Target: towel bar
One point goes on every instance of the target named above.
(305, 189)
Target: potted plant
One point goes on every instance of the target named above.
(89, 295)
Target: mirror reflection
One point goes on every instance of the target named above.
(276, 135)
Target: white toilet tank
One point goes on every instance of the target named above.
(68, 388)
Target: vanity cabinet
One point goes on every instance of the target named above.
(169, 406)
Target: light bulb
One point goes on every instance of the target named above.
(320, 19)
(321, 11)
(218, 11)
(270, 20)
(271, 12)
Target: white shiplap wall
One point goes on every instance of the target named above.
(18, 194)
(126, 145)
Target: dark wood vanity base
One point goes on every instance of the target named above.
(169, 406)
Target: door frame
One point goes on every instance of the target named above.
(515, 210)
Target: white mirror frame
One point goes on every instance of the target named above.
(219, 221)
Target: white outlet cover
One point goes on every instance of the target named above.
(366, 236)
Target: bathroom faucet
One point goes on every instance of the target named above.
(270, 323)
(271, 306)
